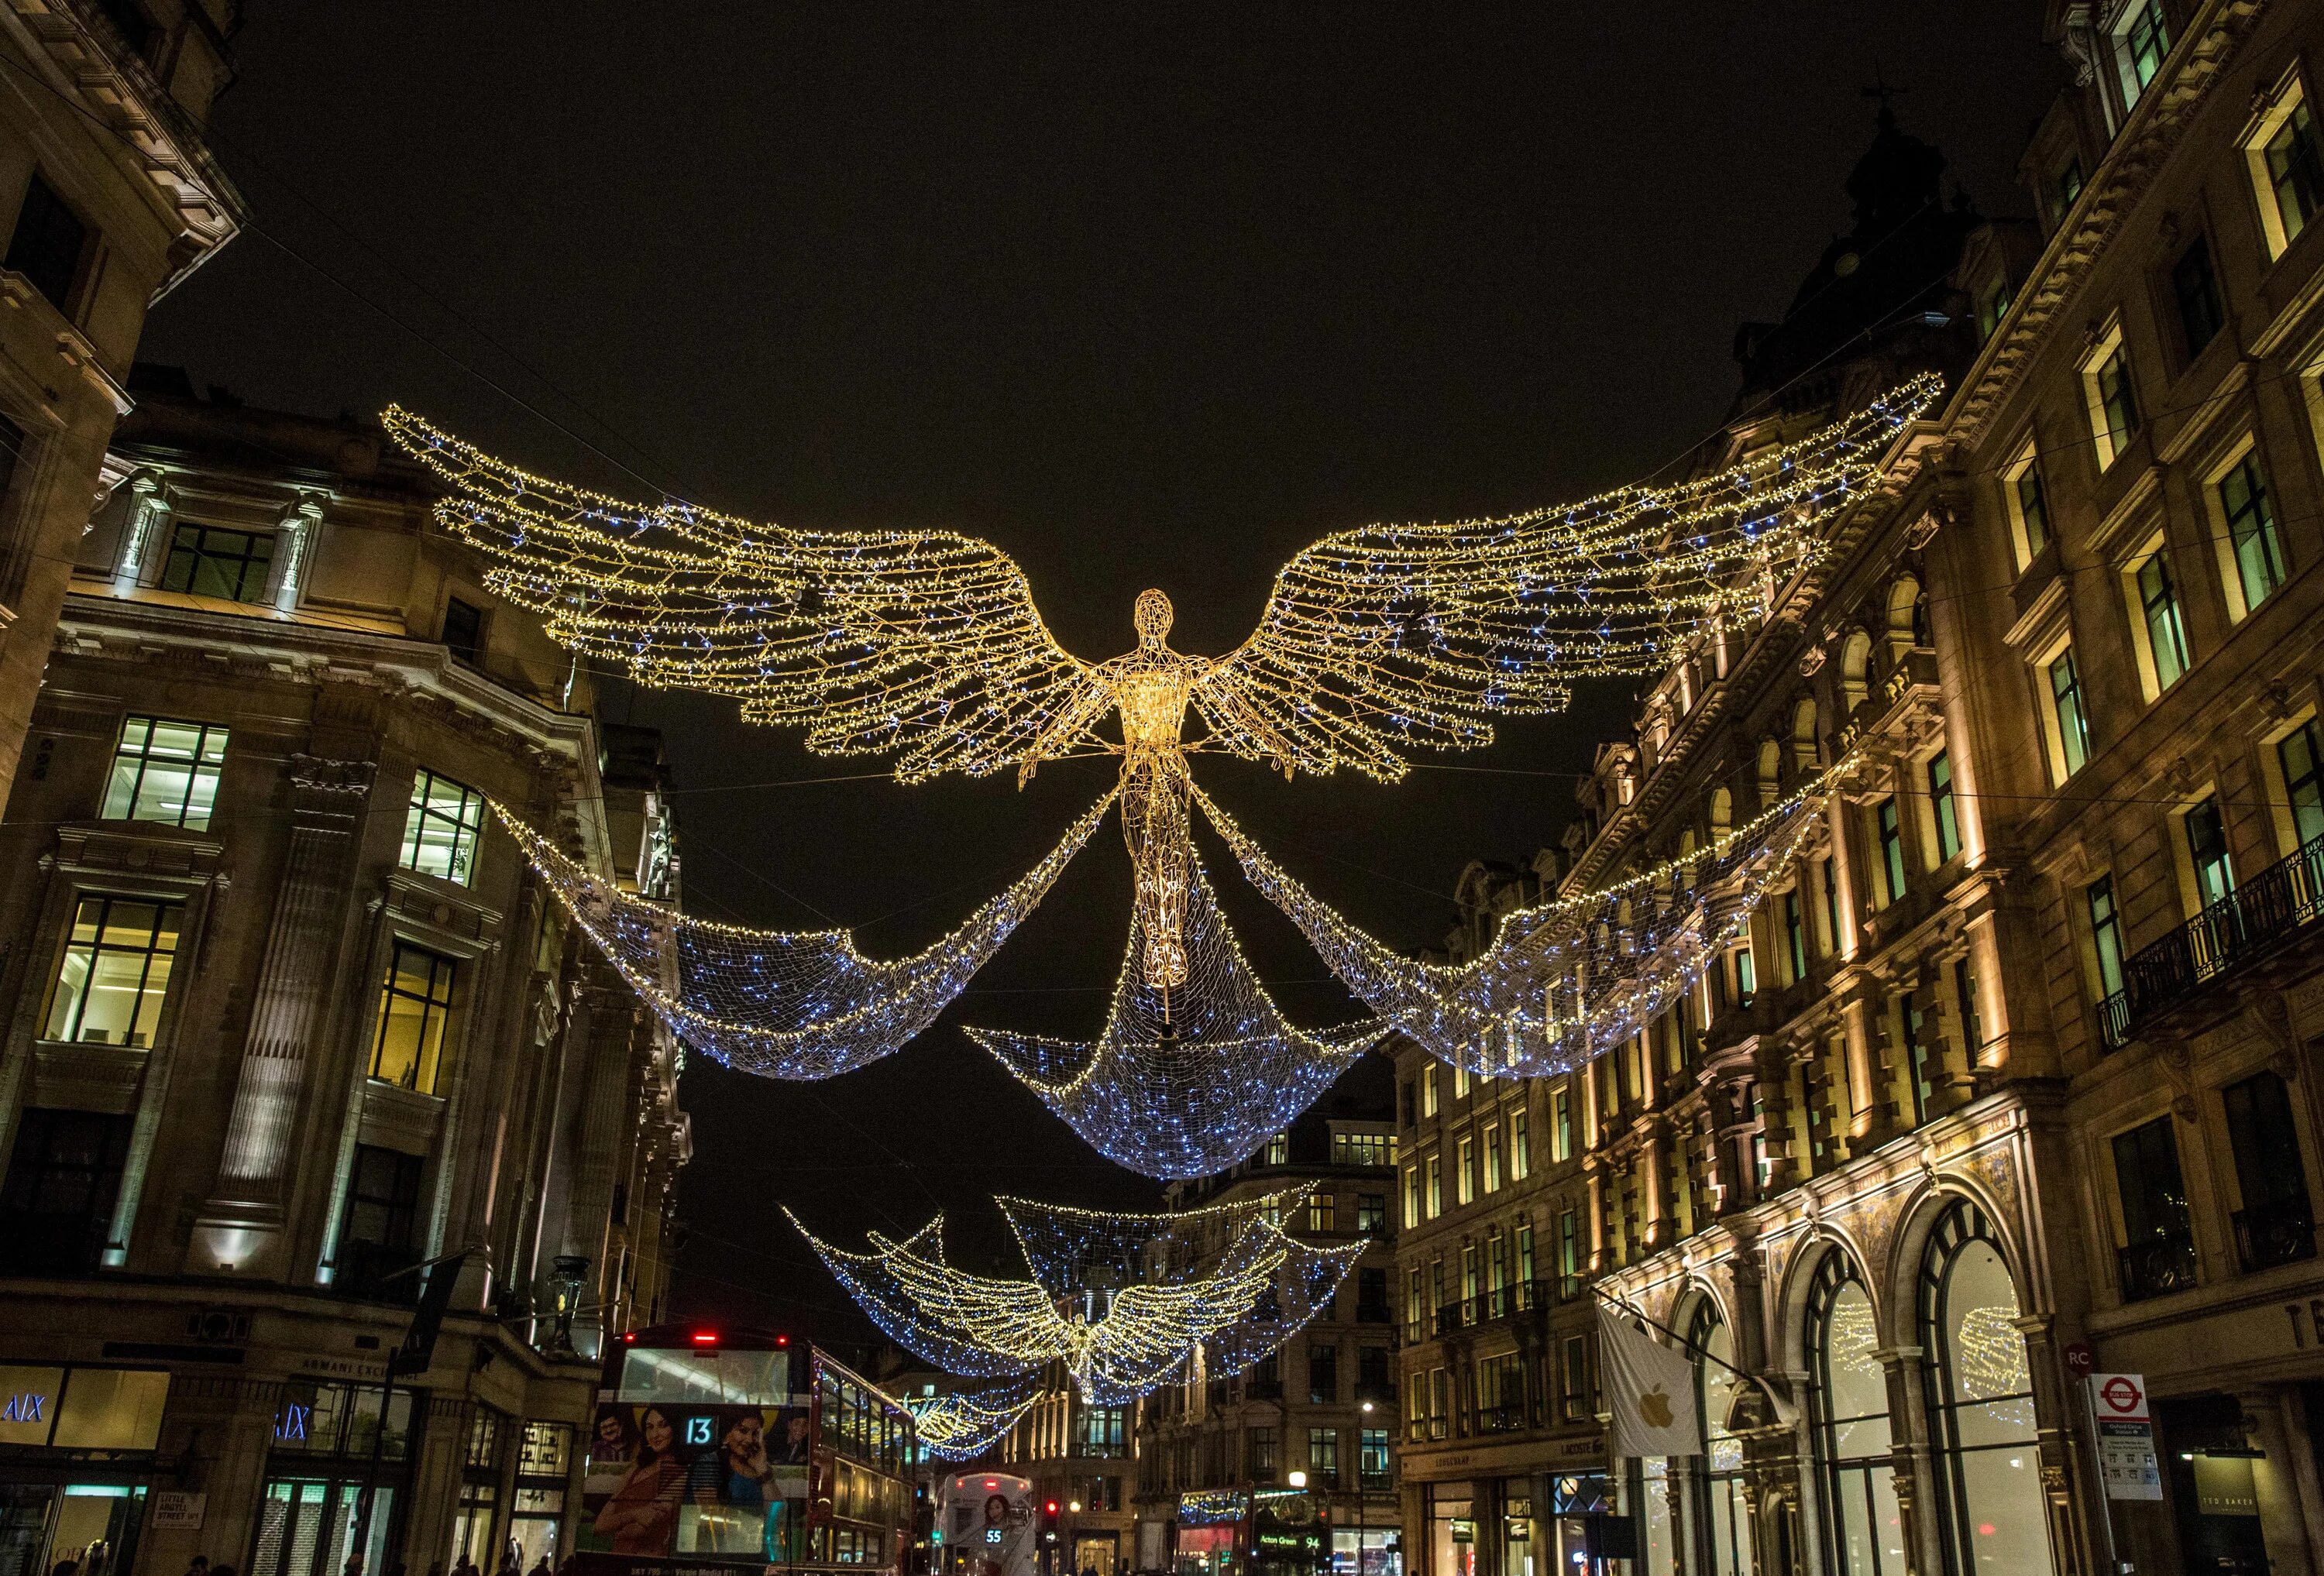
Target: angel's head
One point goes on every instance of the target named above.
(1152, 616)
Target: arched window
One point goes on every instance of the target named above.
(1855, 670)
(1722, 813)
(1721, 1505)
(1848, 1400)
(1771, 771)
(1980, 1400)
(1904, 597)
(1803, 734)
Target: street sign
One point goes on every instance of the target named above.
(2126, 1436)
(2080, 1359)
(176, 1510)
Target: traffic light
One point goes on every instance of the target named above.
(1049, 1508)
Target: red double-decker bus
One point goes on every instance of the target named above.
(716, 1449)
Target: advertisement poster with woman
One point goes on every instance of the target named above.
(668, 1481)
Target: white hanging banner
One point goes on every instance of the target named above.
(1649, 1390)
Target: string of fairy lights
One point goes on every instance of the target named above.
(962, 1425)
(926, 646)
(1123, 1303)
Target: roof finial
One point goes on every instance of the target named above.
(1884, 93)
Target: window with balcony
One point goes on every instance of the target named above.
(2157, 1256)
(2287, 168)
(381, 1234)
(165, 772)
(441, 829)
(115, 975)
(49, 245)
(1525, 1254)
(2207, 852)
(1323, 1373)
(1500, 1394)
(2106, 934)
(1944, 814)
(209, 560)
(2195, 290)
(416, 1005)
(2300, 754)
(2255, 554)
(1377, 1461)
(2277, 1223)
(2113, 402)
(62, 1181)
(1324, 1458)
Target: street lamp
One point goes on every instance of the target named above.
(1297, 1479)
(1075, 1506)
(1368, 1406)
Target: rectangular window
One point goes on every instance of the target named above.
(2141, 44)
(1323, 1374)
(2066, 709)
(1460, 1083)
(440, 832)
(165, 772)
(1363, 1150)
(1942, 810)
(1909, 1023)
(381, 1235)
(1965, 993)
(2158, 1254)
(2065, 190)
(1465, 1184)
(1746, 977)
(1796, 935)
(1435, 1187)
(2287, 169)
(1416, 1307)
(2207, 849)
(2106, 934)
(464, 629)
(1371, 1296)
(2276, 1225)
(208, 561)
(1411, 1197)
(1279, 1149)
(1561, 1127)
(1493, 1159)
(2166, 632)
(2301, 755)
(2251, 531)
(2113, 402)
(1262, 1454)
(1320, 1210)
(115, 973)
(63, 1179)
(1892, 847)
(1371, 1213)
(1577, 1396)
(1525, 1252)
(1520, 1145)
(1428, 1089)
(2196, 290)
(1375, 1458)
(1569, 1245)
(1830, 902)
(415, 1015)
(49, 244)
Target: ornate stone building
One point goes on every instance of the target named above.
(2016, 1076)
(1316, 1416)
(283, 1017)
(114, 199)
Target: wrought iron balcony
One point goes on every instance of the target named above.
(2157, 1265)
(2250, 922)
(2281, 1232)
(1500, 1419)
(1523, 1296)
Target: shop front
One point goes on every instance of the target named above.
(329, 1444)
(77, 1465)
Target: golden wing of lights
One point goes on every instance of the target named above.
(1382, 639)
(922, 644)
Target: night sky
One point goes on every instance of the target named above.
(1144, 299)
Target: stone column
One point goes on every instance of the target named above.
(241, 1229)
(1870, 1090)
(1661, 1215)
(1772, 1063)
(1912, 1458)
(1593, 1170)
(149, 514)
(2281, 1519)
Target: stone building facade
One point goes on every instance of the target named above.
(1318, 1414)
(284, 1016)
(2016, 1076)
(112, 198)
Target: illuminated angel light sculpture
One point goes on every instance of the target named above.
(1124, 1303)
(965, 1423)
(926, 645)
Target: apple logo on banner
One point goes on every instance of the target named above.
(1655, 1408)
